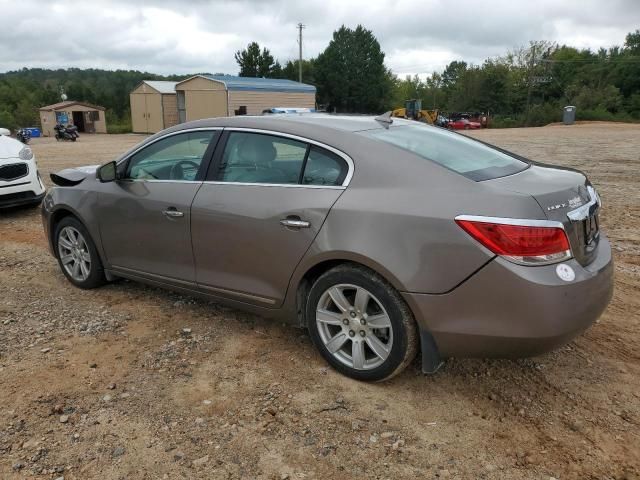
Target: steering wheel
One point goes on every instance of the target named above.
(177, 171)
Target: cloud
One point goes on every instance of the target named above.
(163, 36)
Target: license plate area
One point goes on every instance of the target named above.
(591, 229)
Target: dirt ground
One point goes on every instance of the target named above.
(131, 382)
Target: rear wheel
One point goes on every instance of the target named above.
(77, 254)
(360, 324)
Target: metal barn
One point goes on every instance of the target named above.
(206, 96)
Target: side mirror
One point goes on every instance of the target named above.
(107, 173)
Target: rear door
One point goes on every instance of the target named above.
(264, 201)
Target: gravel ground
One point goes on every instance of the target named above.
(131, 382)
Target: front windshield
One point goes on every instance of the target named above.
(456, 152)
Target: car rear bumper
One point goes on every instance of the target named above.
(509, 310)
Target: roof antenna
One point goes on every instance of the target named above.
(385, 119)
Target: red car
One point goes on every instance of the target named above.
(463, 124)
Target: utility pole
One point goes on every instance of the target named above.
(300, 27)
(532, 63)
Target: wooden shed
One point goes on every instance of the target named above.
(153, 106)
(88, 118)
(206, 96)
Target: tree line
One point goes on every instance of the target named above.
(526, 86)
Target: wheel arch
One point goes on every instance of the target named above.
(62, 212)
(428, 349)
(309, 272)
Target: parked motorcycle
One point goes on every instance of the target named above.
(23, 135)
(68, 133)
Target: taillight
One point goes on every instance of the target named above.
(527, 242)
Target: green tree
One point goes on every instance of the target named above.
(290, 70)
(254, 62)
(350, 73)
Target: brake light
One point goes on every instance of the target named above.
(527, 242)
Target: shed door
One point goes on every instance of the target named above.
(139, 113)
(155, 120)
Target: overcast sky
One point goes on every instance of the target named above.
(173, 36)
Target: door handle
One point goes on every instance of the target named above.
(294, 223)
(172, 213)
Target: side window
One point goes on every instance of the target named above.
(260, 158)
(177, 157)
(324, 168)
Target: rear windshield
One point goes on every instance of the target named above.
(456, 152)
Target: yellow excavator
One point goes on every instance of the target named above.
(413, 110)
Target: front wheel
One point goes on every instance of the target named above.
(77, 254)
(360, 324)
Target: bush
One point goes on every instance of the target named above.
(544, 114)
(7, 120)
(124, 127)
(500, 121)
(603, 115)
(117, 124)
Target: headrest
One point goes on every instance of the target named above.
(257, 149)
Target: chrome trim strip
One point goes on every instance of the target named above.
(536, 262)
(523, 222)
(286, 185)
(152, 276)
(224, 291)
(177, 132)
(583, 212)
(341, 154)
(512, 221)
(151, 180)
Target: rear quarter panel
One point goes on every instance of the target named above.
(397, 217)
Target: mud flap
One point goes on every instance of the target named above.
(431, 361)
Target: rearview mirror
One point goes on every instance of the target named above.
(107, 172)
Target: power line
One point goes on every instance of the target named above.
(593, 60)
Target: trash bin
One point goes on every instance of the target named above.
(569, 115)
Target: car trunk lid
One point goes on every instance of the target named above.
(565, 196)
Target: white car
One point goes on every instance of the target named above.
(20, 182)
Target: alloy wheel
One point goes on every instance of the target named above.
(74, 254)
(354, 326)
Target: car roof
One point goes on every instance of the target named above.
(330, 129)
(343, 123)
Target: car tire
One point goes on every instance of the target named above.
(344, 333)
(73, 246)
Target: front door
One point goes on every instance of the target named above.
(145, 216)
(256, 218)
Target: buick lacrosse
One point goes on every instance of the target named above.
(383, 237)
